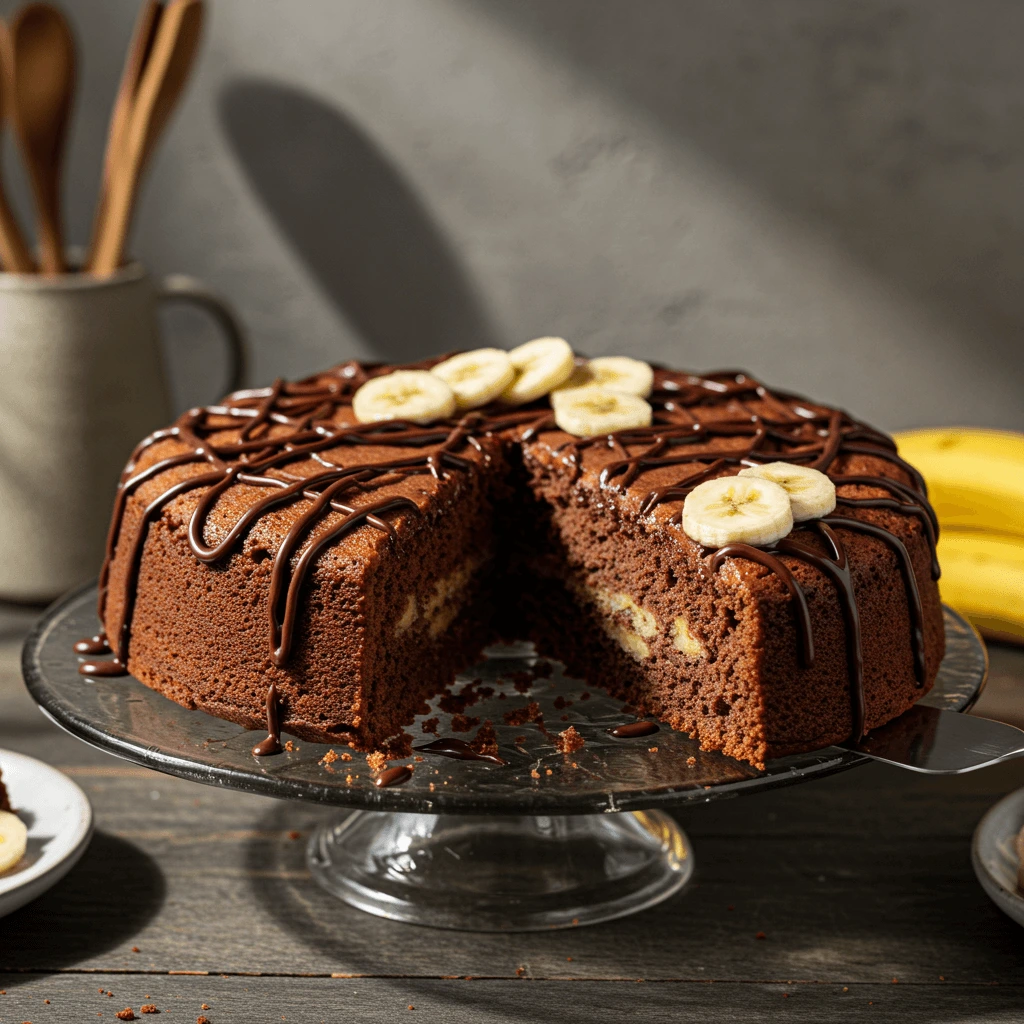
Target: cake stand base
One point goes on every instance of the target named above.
(501, 873)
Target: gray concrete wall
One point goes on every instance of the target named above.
(826, 193)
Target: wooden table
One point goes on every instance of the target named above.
(861, 885)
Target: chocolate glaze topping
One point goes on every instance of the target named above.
(93, 645)
(263, 438)
(460, 750)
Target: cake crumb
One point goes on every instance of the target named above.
(290, 747)
(202, 1020)
(463, 723)
(520, 739)
(520, 716)
(411, 1007)
(569, 740)
(330, 757)
(534, 774)
(148, 1008)
(377, 761)
(691, 762)
(760, 935)
(418, 759)
(520, 971)
(346, 756)
(585, 695)
(135, 949)
(569, 959)
(432, 787)
(547, 771)
(652, 750)
(126, 1014)
(563, 718)
(348, 780)
(294, 835)
(431, 724)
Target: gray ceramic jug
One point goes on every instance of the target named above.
(81, 382)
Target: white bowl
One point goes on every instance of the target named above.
(59, 821)
(994, 854)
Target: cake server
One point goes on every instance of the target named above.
(938, 742)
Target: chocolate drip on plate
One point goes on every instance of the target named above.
(393, 776)
(272, 744)
(93, 645)
(631, 729)
(102, 669)
(460, 750)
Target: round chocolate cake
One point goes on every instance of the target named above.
(338, 565)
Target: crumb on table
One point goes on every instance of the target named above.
(569, 740)
(377, 761)
(330, 757)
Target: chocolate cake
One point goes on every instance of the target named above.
(275, 541)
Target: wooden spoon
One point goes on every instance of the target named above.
(42, 86)
(138, 55)
(163, 79)
(13, 250)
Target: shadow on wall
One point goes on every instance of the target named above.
(355, 222)
(892, 126)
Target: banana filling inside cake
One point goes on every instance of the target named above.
(748, 566)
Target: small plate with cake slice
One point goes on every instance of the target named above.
(997, 854)
(45, 826)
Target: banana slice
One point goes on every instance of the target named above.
(476, 377)
(13, 840)
(617, 373)
(413, 395)
(811, 493)
(541, 366)
(733, 509)
(589, 411)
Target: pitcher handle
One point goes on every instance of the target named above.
(182, 288)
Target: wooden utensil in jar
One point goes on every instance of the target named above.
(163, 78)
(13, 251)
(41, 84)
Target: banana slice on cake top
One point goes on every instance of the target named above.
(811, 493)
(737, 509)
(616, 373)
(414, 395)
(590, 411)
(476, 377)
(541, 366)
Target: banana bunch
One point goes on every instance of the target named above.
(592, 397)
(976, 484)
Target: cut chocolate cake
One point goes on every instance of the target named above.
(5, 802)
(354, 557)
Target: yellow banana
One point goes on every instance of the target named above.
(983, 577)
(975, 477)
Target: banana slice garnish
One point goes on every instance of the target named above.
(590, 411)
(13, 840)
(414, 395)
(735, 509)
(541, 366)
(811, 493)
(476, 377)
(617, 373)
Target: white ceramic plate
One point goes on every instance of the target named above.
(994, 855)
(59, 821)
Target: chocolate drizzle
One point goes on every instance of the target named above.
(460, 750)
(272, 744)
(290, 440)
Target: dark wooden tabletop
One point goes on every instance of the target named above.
(188, 895)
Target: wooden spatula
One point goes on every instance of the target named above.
(13, 250)
(163, 79)
(138, 55)
(42, 86)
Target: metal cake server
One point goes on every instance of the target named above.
(938, 742)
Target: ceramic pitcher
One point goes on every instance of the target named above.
(81, 382)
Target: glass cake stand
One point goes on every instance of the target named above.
(548, 840)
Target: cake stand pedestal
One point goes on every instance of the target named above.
(548, 840)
